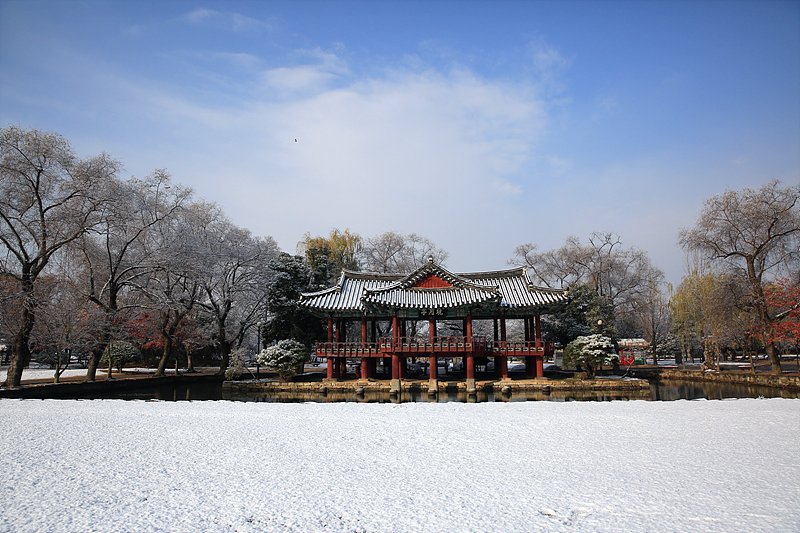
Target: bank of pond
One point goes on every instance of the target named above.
(205, 389)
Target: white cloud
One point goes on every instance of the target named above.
(233, 21)
(559, 165)
(507, 188)
(325, 67)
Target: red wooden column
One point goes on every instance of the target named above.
(330, 340)
(503, 364)
(503, 339)
(432, 361)
(395, 356)
(341, 362)
(365, 369)
(539, 358)
(470, 355)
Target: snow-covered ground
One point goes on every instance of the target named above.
(117, 466)
(48, 373)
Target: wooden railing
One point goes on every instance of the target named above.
(526, 348)
(476, 344)
(437, 345)
(346, 349)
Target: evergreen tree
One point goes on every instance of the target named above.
(285, 320)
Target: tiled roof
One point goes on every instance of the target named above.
(359, 291)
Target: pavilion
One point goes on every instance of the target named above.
(432, 294)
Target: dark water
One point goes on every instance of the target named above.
(659, 391)
(668, 390)
(171, 393)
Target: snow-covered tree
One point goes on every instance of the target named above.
(120, 353)
(392, 252)
(285, 357)
(285, 320)
(48, 199)
(590, 352)
(755, 236)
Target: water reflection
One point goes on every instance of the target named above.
(668, 390)
(665, 390)
(443, 397)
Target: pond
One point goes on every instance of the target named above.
(663, 390)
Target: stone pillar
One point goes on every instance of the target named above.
(396, 375)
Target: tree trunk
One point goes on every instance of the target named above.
(774, 357)
(162, 363)
(752, 362)
(20, 351)
(189, 362)
(225, 352)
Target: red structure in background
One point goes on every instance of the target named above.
(432, 294)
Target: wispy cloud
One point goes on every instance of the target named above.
(559, 165)
(234, 21)
(314, 70)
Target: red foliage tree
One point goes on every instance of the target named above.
(783, 299)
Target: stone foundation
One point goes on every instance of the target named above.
(385, 386)
(764, 380)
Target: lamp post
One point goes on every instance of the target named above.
(258, 351)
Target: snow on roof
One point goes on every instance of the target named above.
(633, 343)
(361, 291)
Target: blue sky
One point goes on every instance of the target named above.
(481, 125)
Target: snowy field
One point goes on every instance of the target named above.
(117, 466)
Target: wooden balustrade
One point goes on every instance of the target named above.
(444, 345)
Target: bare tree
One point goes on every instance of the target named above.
(392, 252)
(754, 235)
(65, 329)
(115, 253)
(48, 199)
(233, 274)
(172, 287)
(653, 317)
(624, 277)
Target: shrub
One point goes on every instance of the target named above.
(590, 352)
(121, 353)
(236, 364)
(285, 357)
